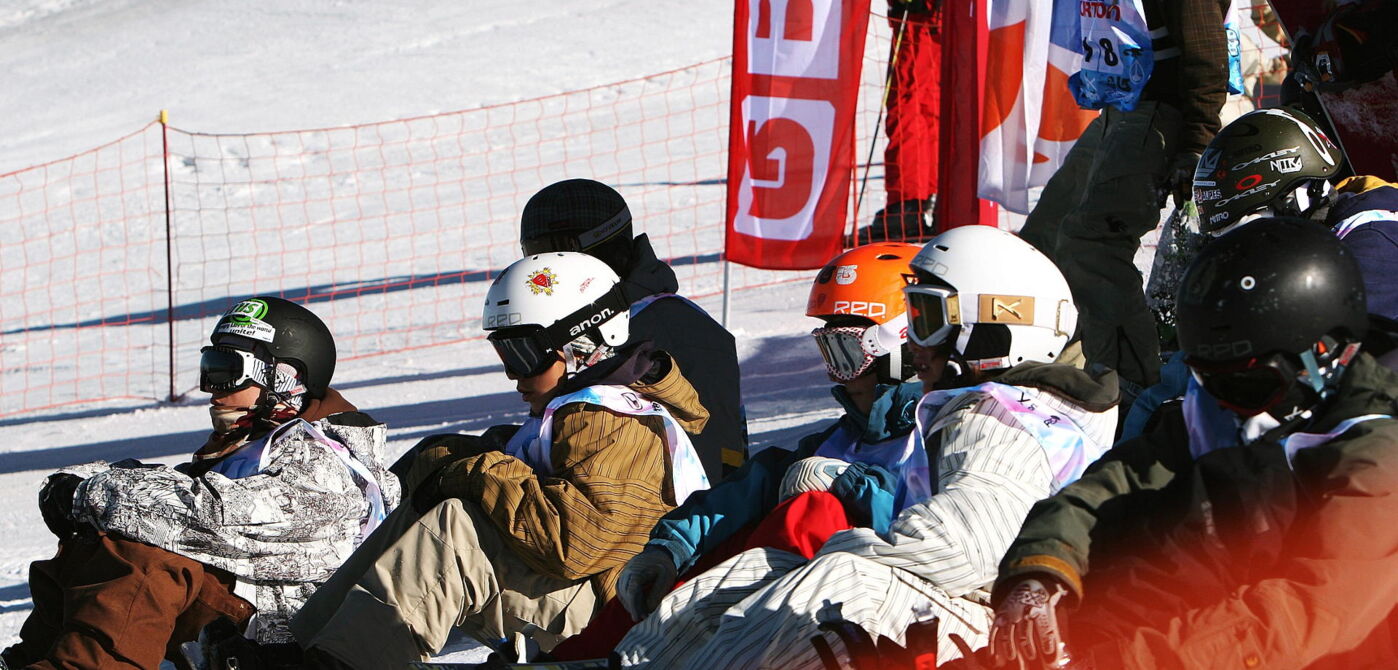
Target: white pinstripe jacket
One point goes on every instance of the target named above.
(988, 472)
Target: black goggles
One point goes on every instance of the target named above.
(1248, 386)
(528, 351)
(223, 369)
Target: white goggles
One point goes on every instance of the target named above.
(848, 351)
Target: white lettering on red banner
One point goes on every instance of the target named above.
(796, 66)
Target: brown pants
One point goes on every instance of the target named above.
(399, 595)
(110, 602)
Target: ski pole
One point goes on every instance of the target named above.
(883, 103)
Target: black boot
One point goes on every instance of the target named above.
(902, 221)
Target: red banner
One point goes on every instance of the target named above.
(796, 67)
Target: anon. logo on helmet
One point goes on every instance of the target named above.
(542, 281)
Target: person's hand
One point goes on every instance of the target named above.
(1026, 625)
(56, 503)
(647, 577)
(1179, 179)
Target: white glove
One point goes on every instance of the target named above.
(1026, 626)
(647, 577)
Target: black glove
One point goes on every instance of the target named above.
(1179, 179)
(56, 503)
(225, 648)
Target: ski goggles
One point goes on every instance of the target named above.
(529, 350)
(224, 369)
(525, 352)
(1247, 386)
(848, 350)
(934, 313)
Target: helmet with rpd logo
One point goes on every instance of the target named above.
(264, 332)
(565, 303)
(859, 295)
(1274, 303)
(1273, 159)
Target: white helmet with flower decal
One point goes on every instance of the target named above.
(565, 302)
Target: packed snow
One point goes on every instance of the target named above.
(83, 72)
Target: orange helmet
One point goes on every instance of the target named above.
(859, 294)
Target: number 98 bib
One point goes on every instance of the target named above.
(1117, 55)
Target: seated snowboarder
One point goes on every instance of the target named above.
(1254, 527)
(286, 486)
(525, 528)
(858, 296)
(1015, 425)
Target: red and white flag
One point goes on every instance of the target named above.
(1029, 119)
(796, 66)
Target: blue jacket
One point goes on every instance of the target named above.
(710, 517)
(1365, 217)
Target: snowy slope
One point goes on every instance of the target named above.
(82, 72)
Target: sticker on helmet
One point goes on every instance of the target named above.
(1269, 157)
(542, 281)
(1007, 309)
(245, 320)
(1248, 182)
(846, 274)
(253, 309)
(870, 309)
(1287, 165)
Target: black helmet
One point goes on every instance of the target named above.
(1269, 303)
(284, 330)
(1260, 160)
(578, 215)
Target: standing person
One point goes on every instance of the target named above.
(913, 105)
(591, 217)
(1158, 69)
(1254, 529)
(285, 487)
(526, 528)
(1015, 425)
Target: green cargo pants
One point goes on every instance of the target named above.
(1090, 219)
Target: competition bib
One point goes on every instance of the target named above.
(1236, 85)
(1064, 441)
(533, 442)
(1117, 57)
(903, 456)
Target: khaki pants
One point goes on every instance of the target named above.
(1090, 219)
(415, 578)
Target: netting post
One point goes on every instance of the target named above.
(169, 250)
(726, 276)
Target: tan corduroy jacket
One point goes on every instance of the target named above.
(610, 484)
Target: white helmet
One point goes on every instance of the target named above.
(1003, 300)
(563, 302)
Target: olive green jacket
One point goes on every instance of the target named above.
(1238, 559)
